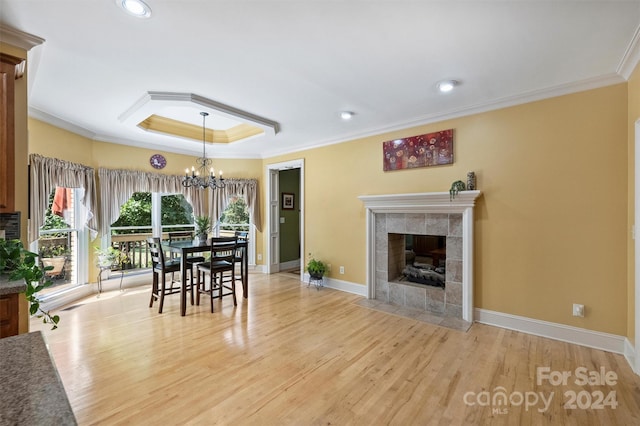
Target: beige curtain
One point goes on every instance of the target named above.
(117, 186)
(245, 188)
(48, 173)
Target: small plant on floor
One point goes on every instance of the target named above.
(22, 264)
(316, 268)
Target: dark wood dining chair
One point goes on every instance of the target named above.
(221, 270)
(162, 267)
(242, 236)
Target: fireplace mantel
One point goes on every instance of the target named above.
(428, 202)
(424, 202)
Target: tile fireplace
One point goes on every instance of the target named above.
(391, 216)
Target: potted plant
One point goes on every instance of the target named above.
(316, 268)
(456, 187)
(111, 257)
(203, 226)
(54, 258)
(20, 263)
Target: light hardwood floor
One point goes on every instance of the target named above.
(293, 355)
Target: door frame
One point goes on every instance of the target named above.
(636, 366)
(270, 257)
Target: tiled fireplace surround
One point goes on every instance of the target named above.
(431, 213)
(390, 254)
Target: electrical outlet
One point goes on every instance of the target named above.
(578, 310)
(342, 269)
(259, 256)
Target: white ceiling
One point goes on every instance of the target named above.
(299, 63)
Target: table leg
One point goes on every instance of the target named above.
(245, 272)
(183, 285)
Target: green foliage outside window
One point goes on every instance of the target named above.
(135, 212)
(236, 213)
(175, 210)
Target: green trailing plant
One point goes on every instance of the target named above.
(315, 267)
(21, 264)
(456, 187)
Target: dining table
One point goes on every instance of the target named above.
(185, 247)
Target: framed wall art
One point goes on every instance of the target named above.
(431, 149)
(288, 201)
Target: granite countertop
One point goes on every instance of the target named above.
(10, 287)
(31, 392)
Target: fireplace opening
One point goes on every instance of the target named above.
(418, 259)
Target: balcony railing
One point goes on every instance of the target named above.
(132, 241)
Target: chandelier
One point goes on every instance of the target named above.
(200, 178)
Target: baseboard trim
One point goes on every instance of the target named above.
(290, 265)
(72, 295)
(67, 297)
(258, 268)
(566, 333)
(630, 355)
(346, 286)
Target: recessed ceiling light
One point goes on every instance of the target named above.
(346, 115)
(447, 85)
(137, 8)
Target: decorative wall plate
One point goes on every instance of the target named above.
(158, 161)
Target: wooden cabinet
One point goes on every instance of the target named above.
(10, 305)
(8, 315)
(9, 71)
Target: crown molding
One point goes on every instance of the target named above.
(492, 105)
(151, 102)
(19, 38)
(60, 123)
(73, 128)
(631, 57)
(519, 99)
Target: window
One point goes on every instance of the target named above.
(61, 245)
(140, 215)
(176, 214)
(235, 216)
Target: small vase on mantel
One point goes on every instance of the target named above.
(471, 181)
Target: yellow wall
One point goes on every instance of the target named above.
(51, 141)
(634, 115)
(550, 226)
